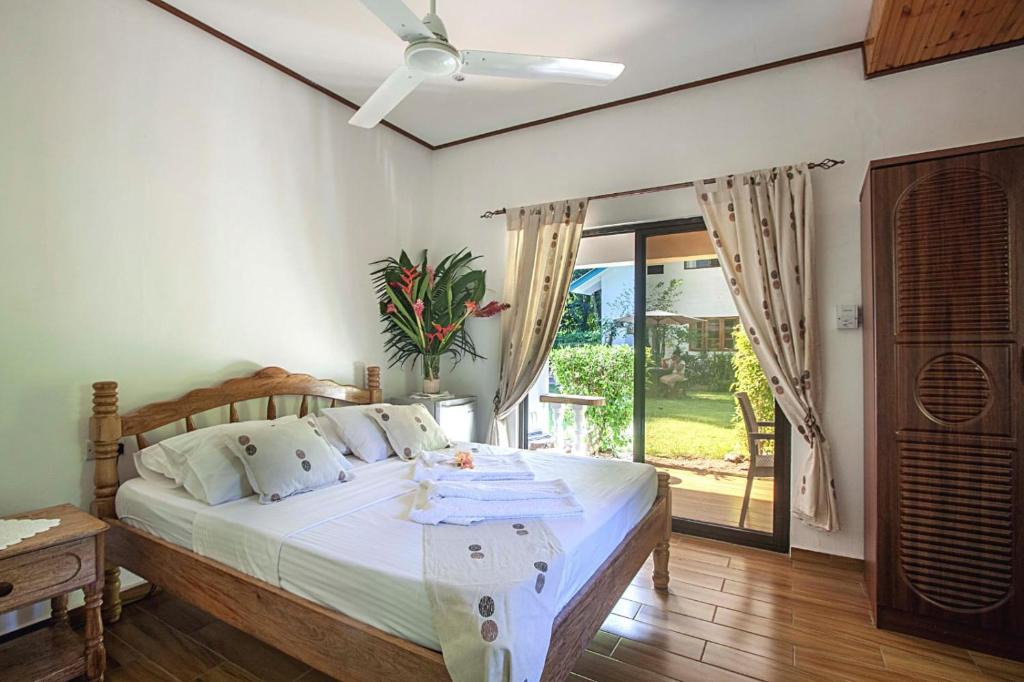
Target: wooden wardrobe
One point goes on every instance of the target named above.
(943, 294)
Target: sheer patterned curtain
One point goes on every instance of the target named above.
(762, 226)
(541, 245)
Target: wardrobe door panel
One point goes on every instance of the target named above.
(947, 239)
(955, 389)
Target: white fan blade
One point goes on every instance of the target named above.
(399, 19)
(392, 91)
(558, 69)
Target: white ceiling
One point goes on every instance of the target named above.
(342, 46)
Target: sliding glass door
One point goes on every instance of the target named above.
(703, 411)
(650, 363)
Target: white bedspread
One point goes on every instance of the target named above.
(226, 535)
(365, 558)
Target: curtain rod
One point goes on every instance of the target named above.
(824, 164)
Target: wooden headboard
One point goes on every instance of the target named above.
(107, 427)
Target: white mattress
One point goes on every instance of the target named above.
(369, 564)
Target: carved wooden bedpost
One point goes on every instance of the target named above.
(105, 434)
(373, 384)
(661, 549)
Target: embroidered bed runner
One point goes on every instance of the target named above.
(493, 589)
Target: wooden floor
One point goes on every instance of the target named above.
(731, 614)
(718, 498)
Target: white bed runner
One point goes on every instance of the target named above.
(493, 589)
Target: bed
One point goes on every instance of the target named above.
(354, 614)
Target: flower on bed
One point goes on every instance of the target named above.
(464, 460)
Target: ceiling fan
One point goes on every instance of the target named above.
(430, 55)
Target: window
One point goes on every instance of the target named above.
(729, 324)
(700, 264)
(655, 269)
(715, 334)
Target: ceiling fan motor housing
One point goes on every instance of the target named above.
(433, 58)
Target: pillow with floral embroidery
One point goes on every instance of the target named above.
(410, 428)
(288, 459)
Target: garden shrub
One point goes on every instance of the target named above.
(577, 338)
(601, 370)
(750, 378)
(709, 371)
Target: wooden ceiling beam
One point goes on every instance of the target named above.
(906, 33)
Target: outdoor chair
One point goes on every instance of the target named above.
(761, 464)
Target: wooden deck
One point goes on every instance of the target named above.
(733, 614)
(717, 498)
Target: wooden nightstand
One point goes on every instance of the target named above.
(49, 566)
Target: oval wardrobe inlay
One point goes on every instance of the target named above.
(953, 389)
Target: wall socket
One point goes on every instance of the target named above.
(847, 316)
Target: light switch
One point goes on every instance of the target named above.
(847, 316)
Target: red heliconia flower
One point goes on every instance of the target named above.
(391, 310)
(470, 306)
(418, 307)
(491, 309)
(443, 332)
(409, 276)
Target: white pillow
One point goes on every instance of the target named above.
(149, 474)
(410, 428)
(154, 459)
(199, 461)
(287, 459)
(331, 432)
(358, 431)
(215, 477)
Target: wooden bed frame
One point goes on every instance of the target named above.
(320, 637)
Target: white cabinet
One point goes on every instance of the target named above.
(456, 414)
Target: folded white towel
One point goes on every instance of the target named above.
(488, 466)
(503, 491)
(464, 503)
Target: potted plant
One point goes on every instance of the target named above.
(424, 309)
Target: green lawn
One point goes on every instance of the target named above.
(699, 425)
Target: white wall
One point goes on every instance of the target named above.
(704, 291)
(173, 211)
(802, 112)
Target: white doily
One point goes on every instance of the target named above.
(13, 531)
